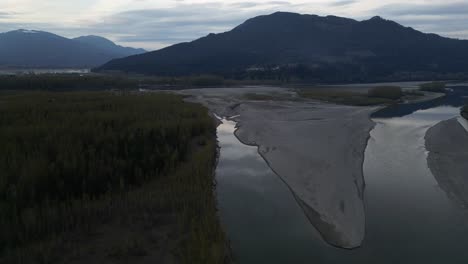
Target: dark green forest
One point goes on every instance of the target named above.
(73, 161)
(65, 82)
(98, 82)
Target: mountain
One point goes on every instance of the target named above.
(289, 45)
(105, 44)
(39, 49)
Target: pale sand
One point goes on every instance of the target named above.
(317, 149)
(447, 143)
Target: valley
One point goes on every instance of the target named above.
(243, 132)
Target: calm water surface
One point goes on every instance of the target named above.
(409, 218)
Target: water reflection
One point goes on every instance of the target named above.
(423, 117)
(262, 218)
(409, 218)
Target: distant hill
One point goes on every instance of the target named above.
(39, 49)
(105, 44)
(289, 45)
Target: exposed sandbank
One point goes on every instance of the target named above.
(318, 150)
(447, 143)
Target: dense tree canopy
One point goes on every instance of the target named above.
(61, 151)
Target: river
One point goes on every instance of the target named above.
(409, 219)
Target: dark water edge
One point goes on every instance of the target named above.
(409, 218)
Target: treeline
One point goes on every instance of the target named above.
(378, 95)
(267, 75)
(336, 73)
(64, 153)
(437, 87)
(90, 82)
(65, 82)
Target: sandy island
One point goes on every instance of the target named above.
(447, 143)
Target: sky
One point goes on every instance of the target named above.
(154, 24)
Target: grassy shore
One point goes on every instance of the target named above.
(436, 87)
(91, 177)
(375, 96)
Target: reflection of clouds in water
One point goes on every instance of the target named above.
(439, 110)
(240, 165)
(232, 148)
(226, 128)
(420, 118)
(256, 179)
(249, 168)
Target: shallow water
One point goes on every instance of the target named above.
(263, 221)
(409, 219)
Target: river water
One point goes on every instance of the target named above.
(409, 219)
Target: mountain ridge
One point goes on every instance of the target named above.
(312, 47)
(105, 43)
(41, 49)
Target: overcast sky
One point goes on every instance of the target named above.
(153, 24)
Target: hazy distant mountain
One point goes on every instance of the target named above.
(284, 45)
(29, 48)
(105, 44)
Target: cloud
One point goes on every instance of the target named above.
(153, 24)
(244, 4)
(181, 23)
(459, 8)
(343, 3)
(447, 19)
(247, 5)
(168, 25)
(4, 14)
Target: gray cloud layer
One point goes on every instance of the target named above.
(445, 19)
(343, 2)
(164, 26)
(4, 14)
